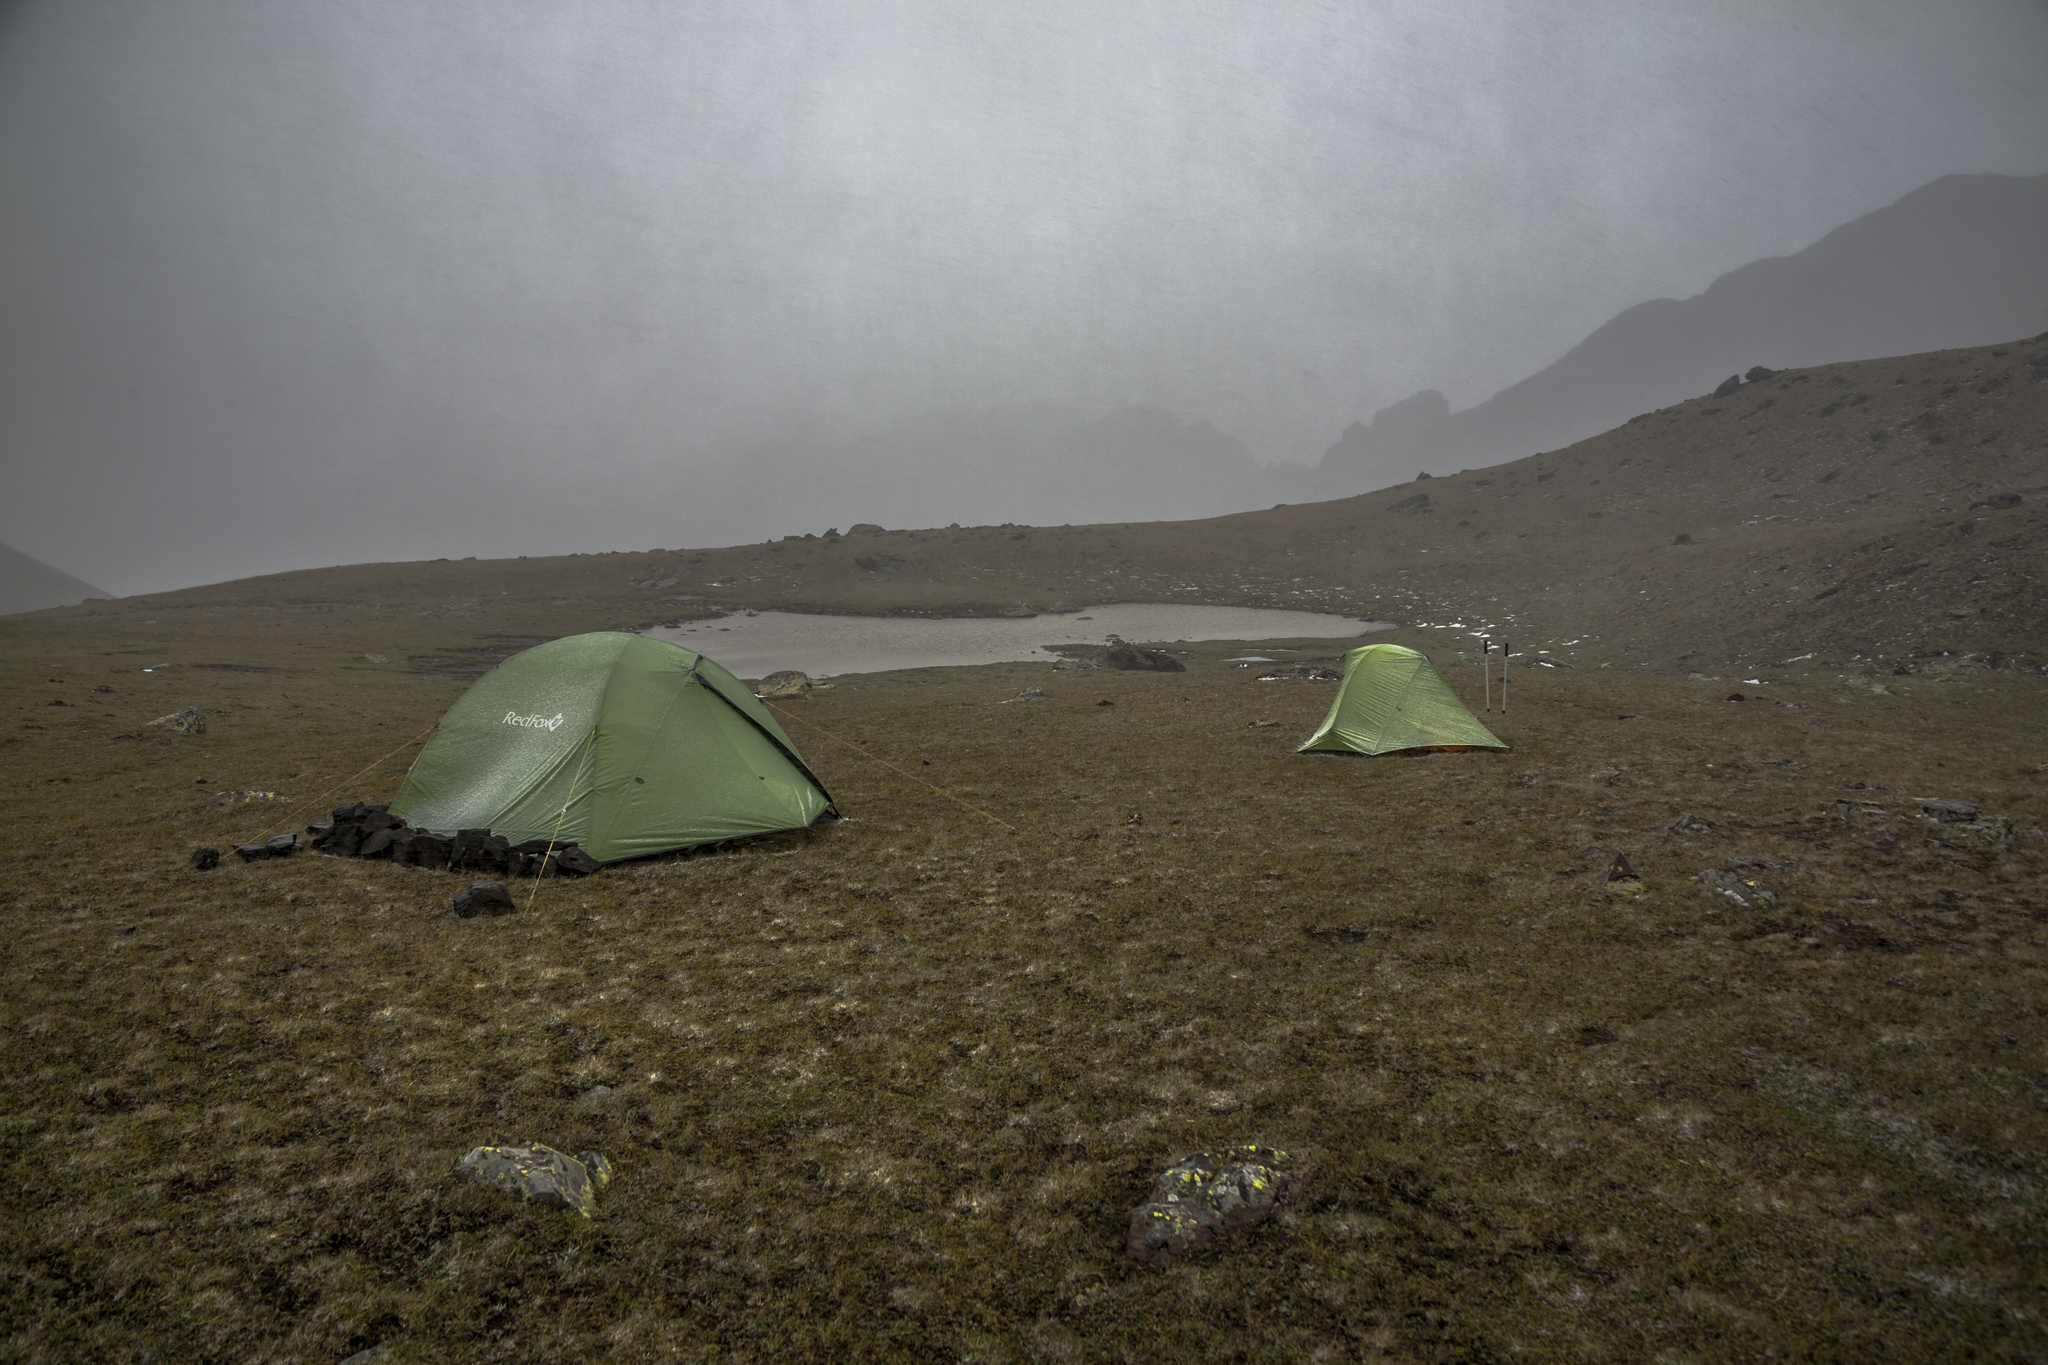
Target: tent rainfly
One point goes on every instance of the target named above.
(1393, 699)
(625, 745)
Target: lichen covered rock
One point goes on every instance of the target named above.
(1202, 1198)
(541, 1173)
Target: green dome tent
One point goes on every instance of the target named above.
(634, 745)
(1393, 699)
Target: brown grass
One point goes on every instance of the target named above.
(888, 1090)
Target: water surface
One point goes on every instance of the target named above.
(754, 646)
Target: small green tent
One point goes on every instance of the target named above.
(1393, 699)
(630, 746)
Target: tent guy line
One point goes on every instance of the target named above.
(893, 768)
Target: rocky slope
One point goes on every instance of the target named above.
(1955, 263)
(1873, 515)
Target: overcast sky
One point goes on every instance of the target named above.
(290, 283)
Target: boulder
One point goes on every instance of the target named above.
(483, 898)
(1728, 386)
(1202, 1199)
(864, 528)
(205, 859)
(540, 1173)
(789, 682)
(1758, 374)
(185, 722)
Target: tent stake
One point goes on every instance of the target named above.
(1486, 667)
(1503, 677)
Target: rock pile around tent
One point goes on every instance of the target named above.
(361, 831)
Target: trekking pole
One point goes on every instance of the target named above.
(1486, 667)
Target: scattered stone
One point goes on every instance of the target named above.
(205, 859)
(789, 682)
(540, 1173)
(1028, 694)
(1201, 1199)
(1412, 505)
(281, 846)
(1621, 878)
(1690, 824)
(1262, 725)
(1681, 539)
(1999, 502)
(1758, 373)
(239, 797)
(1740, 887)
(1737, 696)
(185, 722)
(483, 898)
(876, 563)
(1107, 702)
(1728, 386)
(1130, 658)
(1600, 774)
(1020, 612)
(1950, 809)
(1593, 1035)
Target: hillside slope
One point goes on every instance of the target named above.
(1878, 514)
(1955, 263)
(28, 584)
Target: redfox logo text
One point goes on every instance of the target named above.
(531, 722)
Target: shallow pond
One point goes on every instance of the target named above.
(755, 645)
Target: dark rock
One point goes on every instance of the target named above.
(540, 1173)
(1105, 702)
(1131, 658)
(282, 845)
(574, 862)
(1681, 539)
(1741, 887)
(185, 722)
(483, 898)
(1950, 808)
(1412, 504)
(1997, 502)
(495, 853)
(249, 853)
(467, 852)
(1728, 386)
(1593, 1035)
(205, 859)
(376, 844)
(404, 847)
(1736, 696)
(864, 528)
(429, 850)
(1758, 373)
(1201, 1199)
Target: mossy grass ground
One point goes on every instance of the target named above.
(887, 1090)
